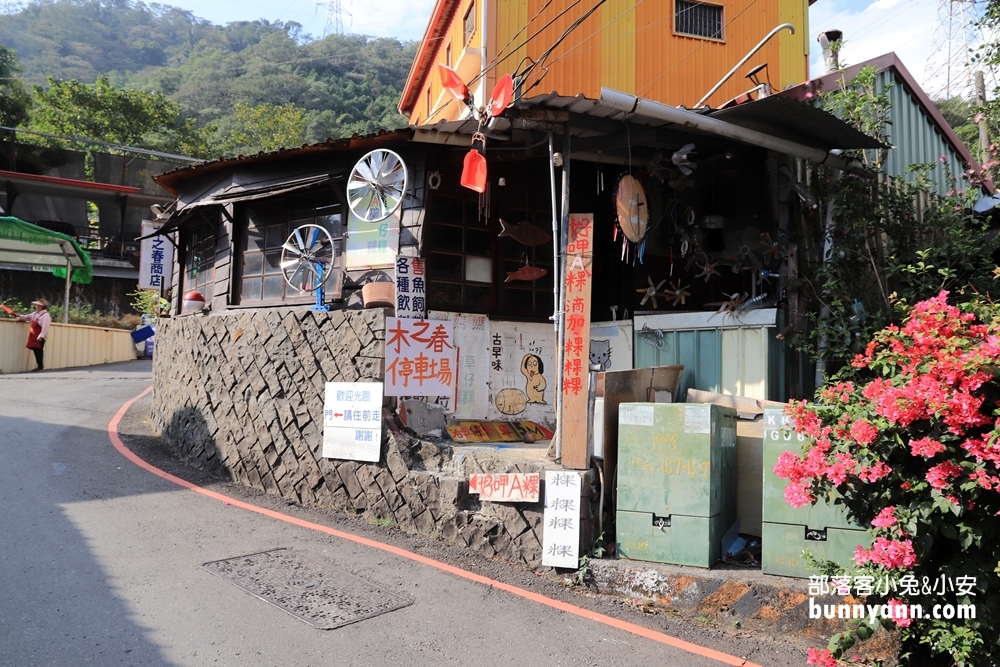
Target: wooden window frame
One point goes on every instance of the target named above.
(289, 219)
(469, 24)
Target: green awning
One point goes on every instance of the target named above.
(27, 244)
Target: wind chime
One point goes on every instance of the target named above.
(474, 174)
(633, 218)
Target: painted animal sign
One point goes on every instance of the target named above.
(506, 487)
(524, 233)
(522, 364)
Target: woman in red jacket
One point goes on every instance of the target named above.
(39, 331)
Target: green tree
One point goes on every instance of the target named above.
(961, 114)
(14, 99)
(263, 127)
(102, 112)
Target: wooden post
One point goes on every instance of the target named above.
(575, 386)
(69, 275)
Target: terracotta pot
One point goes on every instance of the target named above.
(378, 295)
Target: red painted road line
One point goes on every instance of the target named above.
(403, 553)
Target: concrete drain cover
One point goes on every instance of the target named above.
(319, 594)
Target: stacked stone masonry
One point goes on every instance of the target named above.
(241, 394)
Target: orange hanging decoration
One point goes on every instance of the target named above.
(453, 83)
(474, 171)
(503, 93)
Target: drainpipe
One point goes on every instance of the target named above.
(747, 57)
(561, 333)
(556, 302)
(632, 104)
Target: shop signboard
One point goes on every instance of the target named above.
(419, 357)
(156, 258)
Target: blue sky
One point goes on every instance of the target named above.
(871, 28)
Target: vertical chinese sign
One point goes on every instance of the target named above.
(472, 336)
(352, 421)
(576, 340)
(419, 357)
(156, 258)
(410, 277)
(561, 536)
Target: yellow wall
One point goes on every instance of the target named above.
(628, 45)
(68, 346)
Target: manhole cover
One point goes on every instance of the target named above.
(319, 594)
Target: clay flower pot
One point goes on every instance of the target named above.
(378, 295)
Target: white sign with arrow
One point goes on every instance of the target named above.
(352, 421)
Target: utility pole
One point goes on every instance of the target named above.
(984, 136)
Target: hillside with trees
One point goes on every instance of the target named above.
(240, 88)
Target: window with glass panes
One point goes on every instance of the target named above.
(269, 223)
(467, 264)
(524, 298)
(199, 265)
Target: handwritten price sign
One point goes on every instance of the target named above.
(506, 488)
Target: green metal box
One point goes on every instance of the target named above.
(676, 481)
(822, 528)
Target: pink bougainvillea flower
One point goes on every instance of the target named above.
(821, 657)
(885, 518)
(863, 432)
(798, 495)
(891, 554)
(875, 473)
(925, 447)
(940, 475)
(900, 613)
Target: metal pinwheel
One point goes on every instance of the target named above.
(650, 292)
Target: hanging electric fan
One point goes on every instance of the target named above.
(307, 259)
(633, 216)
(377, 185)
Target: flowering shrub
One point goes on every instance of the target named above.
(908, 437)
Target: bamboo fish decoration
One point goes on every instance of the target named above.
(524, 233)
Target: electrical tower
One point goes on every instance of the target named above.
(335, 13)
(949, 69)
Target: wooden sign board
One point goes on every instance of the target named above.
(578, 277)
(506, 487)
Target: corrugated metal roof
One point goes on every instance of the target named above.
(785, 118)
(919, 133)
(170, 180)
(798, 122)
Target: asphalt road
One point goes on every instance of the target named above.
(101, 564)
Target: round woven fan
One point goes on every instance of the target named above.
(633, 211)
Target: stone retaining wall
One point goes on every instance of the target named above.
(241, 394)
